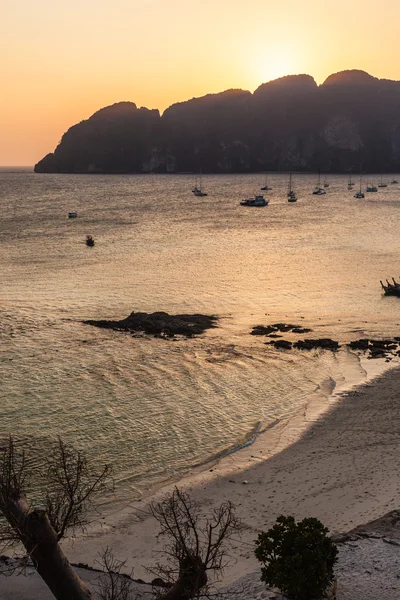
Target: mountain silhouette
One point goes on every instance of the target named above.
(349, 123)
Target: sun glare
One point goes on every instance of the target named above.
(278, 65)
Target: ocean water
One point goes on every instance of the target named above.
(155, 408)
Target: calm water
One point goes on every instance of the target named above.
(154, 408)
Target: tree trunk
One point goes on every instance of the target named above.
(192, 577)
(40, 540)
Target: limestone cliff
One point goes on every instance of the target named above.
(350, 122)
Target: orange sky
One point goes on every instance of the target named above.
(62, 61)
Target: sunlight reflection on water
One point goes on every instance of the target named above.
(151, 407)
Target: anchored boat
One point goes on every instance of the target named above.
(256, 201)
(291, 195)
(391, 289)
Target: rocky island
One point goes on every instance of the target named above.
(349, 123)
(160, 324)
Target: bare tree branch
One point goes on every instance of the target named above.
(195, 545)
(113, 585)
(67, 486)
(72, 485)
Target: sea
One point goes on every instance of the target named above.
(153, 408)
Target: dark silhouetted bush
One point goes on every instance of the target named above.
(298, 558)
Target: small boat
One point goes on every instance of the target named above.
(197, 191)
(359, 194)
(291, 195)
(382, 184)
(266, 187)
(391, 289)
(318, 190)
(326, 183)
(89, 240)
(394, 181)
(258, 200)
(371, 188)
(196, 186)
(72, 214)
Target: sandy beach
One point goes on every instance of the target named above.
(338, 463)
(341, 467)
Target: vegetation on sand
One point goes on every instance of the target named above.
(298, 558)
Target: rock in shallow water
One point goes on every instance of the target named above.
(160, 323)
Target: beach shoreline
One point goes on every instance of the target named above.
(332, 461)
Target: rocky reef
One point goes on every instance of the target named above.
(160, 324)
(350, 122)
(386, 348)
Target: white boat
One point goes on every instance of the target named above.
(266, 187)
(72, 214)
(291, 195)
(258, 200)
(371, 188)
(318, 190)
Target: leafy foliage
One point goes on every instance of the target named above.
(298, 558)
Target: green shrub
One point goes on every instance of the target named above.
(298, 558)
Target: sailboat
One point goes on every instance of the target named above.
(359, 194)
(382, 184)
(326, 182)
(371, 188)
(266, 187)
(197, 191)
(318, 190)
(291, 195)
(350, 184)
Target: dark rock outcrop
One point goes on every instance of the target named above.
(310, 344)
(116, 139)
(386, 348)
(160, 324)
(281, 344)
(271, 330)
(350, 122)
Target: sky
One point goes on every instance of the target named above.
(63, 60)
